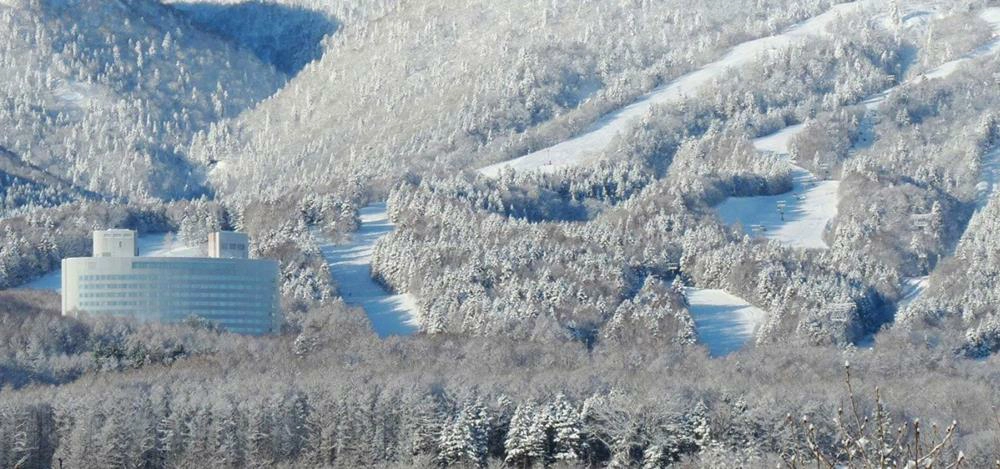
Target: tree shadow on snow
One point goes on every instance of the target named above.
(284, 36)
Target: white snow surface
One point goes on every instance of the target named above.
(350, 266)
(809, 206)
(777, 142)
(991, 16)
(724, 322)
(150, 245)
(76, 93)
(913, 287)
(588, 146)
(987, 186)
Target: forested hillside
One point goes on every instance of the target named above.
(431, 89)
(107, 95)
(337, 396)
(565, 206)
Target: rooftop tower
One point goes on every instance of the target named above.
(115, 243)
(228, 245)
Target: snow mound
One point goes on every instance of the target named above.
(724, 322)
(350, 266)
(588, 146)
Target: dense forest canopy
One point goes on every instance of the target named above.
(559, 311)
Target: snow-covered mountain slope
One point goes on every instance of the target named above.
(284, 35)
(989, 184)
(724, 323)
(963, 289)
(350, 266)
(596, 139)
(435, 87)
(912, 289)
(106, 95)
(812, 204)
(990, 16)
(24, 187)
(797, 218)
(952, 284)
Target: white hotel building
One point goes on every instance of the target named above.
(227, 287)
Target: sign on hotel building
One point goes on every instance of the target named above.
(228, 288)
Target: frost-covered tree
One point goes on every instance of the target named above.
(525, 443)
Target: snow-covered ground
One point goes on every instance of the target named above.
(913, 287)
(990, 178)
(79, 94)
(991, 16)
(594, 140)
(777, 142)
(724, 322)
(808, 208)
(350, 266)
(150, 245)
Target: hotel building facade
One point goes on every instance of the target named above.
(227, 288)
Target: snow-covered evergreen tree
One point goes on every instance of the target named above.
(525, 442)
